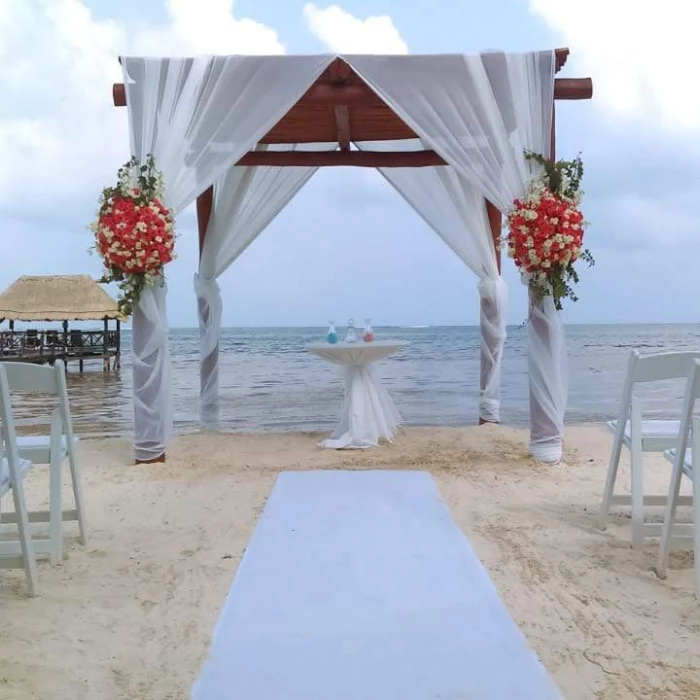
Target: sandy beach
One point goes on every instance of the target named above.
(131, 615)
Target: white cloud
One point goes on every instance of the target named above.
(342, 32)
(640, 53)
(208, 26)
(60, 136)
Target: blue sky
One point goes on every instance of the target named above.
(348, 246)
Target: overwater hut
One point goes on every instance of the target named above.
(59, 299)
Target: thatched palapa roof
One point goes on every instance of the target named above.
(57, 298)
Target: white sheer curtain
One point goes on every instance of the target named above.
(197, 116)
(480, 113)
(456, 212)
(548, 391)
(246, 200)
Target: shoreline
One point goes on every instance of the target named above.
(97, 431)
(131, 614)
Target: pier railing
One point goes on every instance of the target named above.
(34, 345)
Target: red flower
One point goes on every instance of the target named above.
(132, 238)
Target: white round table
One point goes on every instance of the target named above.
(369, 414)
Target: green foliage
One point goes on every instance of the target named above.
(563, 176)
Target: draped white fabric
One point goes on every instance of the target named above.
(493, 301)
(481, 113)
(456, 212)
(197, 116)
(548, 380)
(246, 200)
(455, 104)
(151, 374)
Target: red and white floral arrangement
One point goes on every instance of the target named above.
(545, 230)
(134, 232)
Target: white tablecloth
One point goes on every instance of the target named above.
(369, 414)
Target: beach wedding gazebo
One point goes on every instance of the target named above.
(242, 134)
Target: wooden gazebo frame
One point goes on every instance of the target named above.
(340, 107)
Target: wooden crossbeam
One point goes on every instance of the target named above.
(363, 159)
(364, 96)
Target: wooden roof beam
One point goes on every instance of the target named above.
(363, 159)
(342, 125)
(339, 73)
(363, 96)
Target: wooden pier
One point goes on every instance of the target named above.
(47, 346)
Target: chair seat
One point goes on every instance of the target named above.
(663, 433)
(36, 447)
(24, 466)
(687, 463)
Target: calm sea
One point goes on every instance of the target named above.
(270, 383)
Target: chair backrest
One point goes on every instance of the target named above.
(668, 365)
(653, 368)
(9, 455)
(24, 376)
(692, 395)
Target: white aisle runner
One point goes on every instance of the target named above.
(359, 586)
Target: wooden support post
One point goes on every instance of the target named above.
(553, 136)
(117, 358)
(105, 346)
(496, 225)
(539, 326)
(205, 203)
(65, 343)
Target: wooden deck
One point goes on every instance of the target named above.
(45, 347)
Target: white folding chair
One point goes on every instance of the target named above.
(640, 436)
(686, 462)
(53, 450)
(20, 553)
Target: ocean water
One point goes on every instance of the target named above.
(269, 382)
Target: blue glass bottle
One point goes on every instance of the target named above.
(332, 335)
